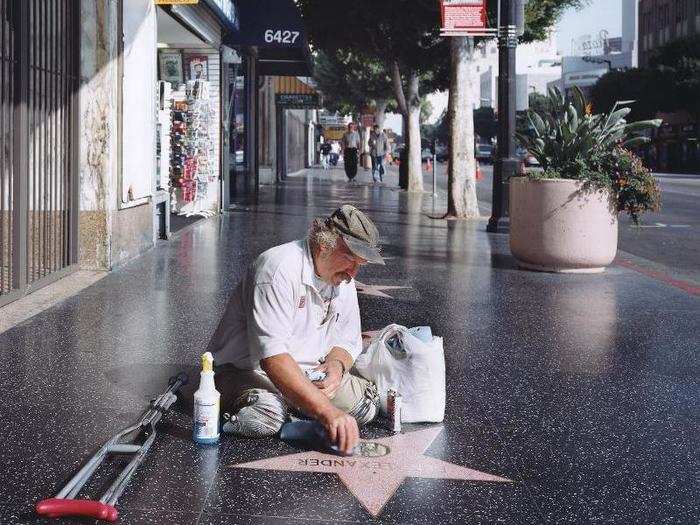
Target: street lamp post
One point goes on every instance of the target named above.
(506, 163)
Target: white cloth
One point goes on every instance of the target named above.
(280, 307)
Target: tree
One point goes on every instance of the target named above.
(537, 102)
(461, 171)
(671, 83)
(350, 83)
(679, 61)
(404, 35)
(439, 131)
(485, 123)
(461, 181)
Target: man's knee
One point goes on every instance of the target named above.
(359, 398)
(257, 413)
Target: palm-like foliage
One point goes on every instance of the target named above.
(571, 143)
(566, 137)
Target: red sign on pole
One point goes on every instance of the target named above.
(463, 14)
(367, 120)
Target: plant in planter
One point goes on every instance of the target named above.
(564, 218)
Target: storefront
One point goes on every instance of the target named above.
(270, 42)
(190, 106)
(674, 147)
(296, 122)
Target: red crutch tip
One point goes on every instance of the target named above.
(58, 508)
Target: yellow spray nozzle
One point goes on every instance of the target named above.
(207, 362)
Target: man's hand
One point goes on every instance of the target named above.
(342, 429)
(334, 375)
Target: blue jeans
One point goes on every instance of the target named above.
(378, 168)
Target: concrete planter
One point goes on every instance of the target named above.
(557, 225)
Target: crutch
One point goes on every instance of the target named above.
(65, 502)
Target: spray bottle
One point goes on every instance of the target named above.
(206, 404)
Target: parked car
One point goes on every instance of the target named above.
(484, 153)
(426, 154)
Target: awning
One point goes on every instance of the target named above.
(275, 27)
(294, 93)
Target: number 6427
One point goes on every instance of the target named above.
(280, 36)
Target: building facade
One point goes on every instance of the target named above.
(662, 21)
(124, 120)
(675, 146)
(537, 63)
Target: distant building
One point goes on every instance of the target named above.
(662, 21)
(584, 71)
(537, 64)
(629, 42)
(675, 145)
(593, 55)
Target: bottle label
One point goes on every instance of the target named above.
(206, 420)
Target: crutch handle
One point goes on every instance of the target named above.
(59, 508)
(181, 377)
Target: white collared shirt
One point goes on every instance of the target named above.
(278, 308)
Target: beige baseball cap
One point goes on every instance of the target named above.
(358, 232)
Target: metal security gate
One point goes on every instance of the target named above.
(38, 143)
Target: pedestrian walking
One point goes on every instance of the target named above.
(325, 153)
(351, 145)
(378, 147)
(335, 153)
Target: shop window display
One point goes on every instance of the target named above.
(192, 166)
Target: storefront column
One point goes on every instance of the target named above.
(252, 129)
(98, 130)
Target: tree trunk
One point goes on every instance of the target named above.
(380, 113)
(461, 173)
(410, 109)
(415, 166)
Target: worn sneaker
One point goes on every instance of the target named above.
(261, 414)
(368, 407)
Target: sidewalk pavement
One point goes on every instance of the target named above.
(571, 398)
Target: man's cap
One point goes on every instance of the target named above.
(358, 232)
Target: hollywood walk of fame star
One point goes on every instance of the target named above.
(377, 289)
(374, 476)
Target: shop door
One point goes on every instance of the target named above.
(38, 143)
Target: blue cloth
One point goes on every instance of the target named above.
(309, 431)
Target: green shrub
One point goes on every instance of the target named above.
(570, 142)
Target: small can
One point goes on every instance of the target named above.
(393, 407)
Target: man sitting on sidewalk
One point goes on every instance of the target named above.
(297, 307)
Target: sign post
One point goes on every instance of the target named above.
(469, 18)
(367, 120)
(464, 18)
(506, 165)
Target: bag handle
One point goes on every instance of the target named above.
(389, 331)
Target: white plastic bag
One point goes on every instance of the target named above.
(418, 373)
